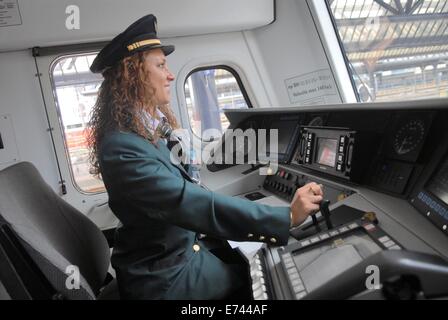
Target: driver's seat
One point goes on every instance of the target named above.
(42, 237)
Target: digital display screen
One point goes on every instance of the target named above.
(318, 265)
(285, 131)
(438, 185)
(326, 151)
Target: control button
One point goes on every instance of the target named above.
(369, 227)
(340, 158)
(305, 243)
(343, 229)
(384, 239)
(324, 236)
(334, 233)
(389, 244)
(339, 167)
(256, 274)
(307, 159)
(196, 248)
(349, 156)
(256, 286)
(298, 288)
(300, 295)
(257, 293)
(342, 140)
(353, 226)
(395, 248)
(288, 260)
(308, 151)
(294, 276)
(341, 149)
(314, 240)
(296, 282)
(288, 263)
(292, 271)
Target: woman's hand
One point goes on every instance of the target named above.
(305, 202)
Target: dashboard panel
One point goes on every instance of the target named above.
(388, 198)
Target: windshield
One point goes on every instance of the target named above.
(395, 49)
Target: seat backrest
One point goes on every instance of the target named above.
(56, 235)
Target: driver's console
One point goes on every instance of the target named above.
(385, 171)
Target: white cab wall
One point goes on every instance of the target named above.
(44, 22)
(21, 101)
(289, 51)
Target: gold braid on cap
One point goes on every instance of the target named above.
(138, 44)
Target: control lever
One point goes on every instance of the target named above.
(326, 213)
(315, 222)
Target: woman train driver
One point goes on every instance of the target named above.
(157, 252)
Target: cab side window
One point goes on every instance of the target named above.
(76, 90)
(208, 91)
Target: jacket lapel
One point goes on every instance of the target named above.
(163, 149)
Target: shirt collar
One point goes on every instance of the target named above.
(151, 122)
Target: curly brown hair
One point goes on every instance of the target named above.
(124, 93)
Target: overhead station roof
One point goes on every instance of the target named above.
(393, 31)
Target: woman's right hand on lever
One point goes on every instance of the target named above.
(305, 202)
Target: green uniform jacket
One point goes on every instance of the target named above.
(161, 212)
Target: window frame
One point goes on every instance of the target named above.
(214, 67)
(343, 51)
(52, 66)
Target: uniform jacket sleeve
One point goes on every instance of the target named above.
(136, 171)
